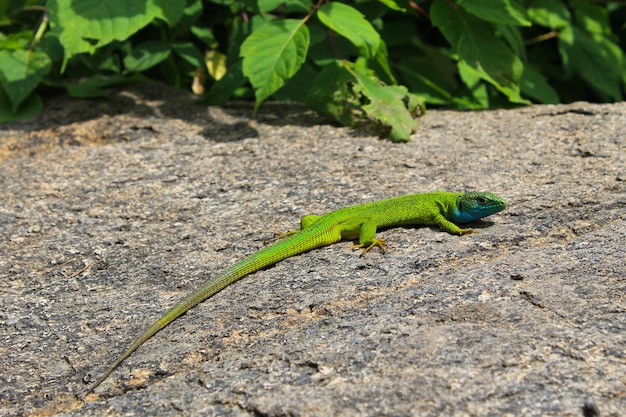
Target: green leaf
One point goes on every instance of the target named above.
(223, 89)
(85, 25)
(550, 13)
(189, 53)
(381, 60)
(331, 93)
(272, 54)
(297, 87)
(20, 72)
(508, 12)
(327, 50)
(146, 55)
(351, 24)
(269, 5)
(191, 14)
(4, 13)
(433, 92)
(535, 85)
(391, 105)
(95, 86)
(593, 19)
(205, 34)
(597, 60)
(338, 90)
(475, 44)
(240, 29)
(472, 80)
(169, 11)
(30, 106)
(393, 5)
(19, 40)
(494, 62)
(513, 36)
(429, 72)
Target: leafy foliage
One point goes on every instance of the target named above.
(381, 60)
(273, 54)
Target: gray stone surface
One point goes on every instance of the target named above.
(112, 211)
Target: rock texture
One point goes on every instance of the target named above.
(111, 211)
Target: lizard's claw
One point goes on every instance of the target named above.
(376, 242)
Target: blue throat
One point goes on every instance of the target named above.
(472, 214)
(459, 216)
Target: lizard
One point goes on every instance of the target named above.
(441, 208)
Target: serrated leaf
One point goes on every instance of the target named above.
(352, 25)
(339, 89)
(508, 12)
(272, 54)
(85, 25)
(146, 55)
(331, 94)
(550, 13)
(387, 104)
(20, 72)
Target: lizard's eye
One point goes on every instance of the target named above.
(482, 200)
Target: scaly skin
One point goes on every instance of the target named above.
(360, 222)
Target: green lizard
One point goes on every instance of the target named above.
(357, 222)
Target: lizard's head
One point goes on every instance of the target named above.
(476, 205)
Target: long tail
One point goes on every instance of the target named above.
(300, 242)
